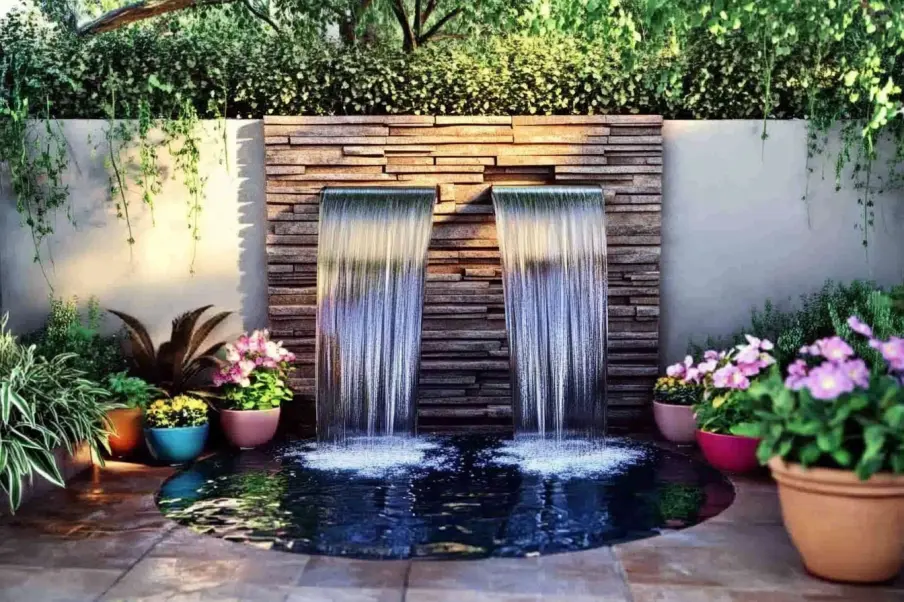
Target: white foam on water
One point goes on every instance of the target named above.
(571, 458)
(370, 457)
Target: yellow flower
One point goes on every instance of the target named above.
(718, 401)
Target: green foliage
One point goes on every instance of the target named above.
(727, 413)
(179, 364)
(131, 391)
(178, 412)
(44, 403)
(861, 431)
(67, 331)
(822, 314)
(266, 391)
(677, 391)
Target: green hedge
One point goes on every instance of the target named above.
(257, 75)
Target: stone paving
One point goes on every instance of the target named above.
(103, 539)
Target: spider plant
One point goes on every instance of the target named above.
(44, 404)
(176, 367)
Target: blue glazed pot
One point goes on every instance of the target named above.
(176, 445)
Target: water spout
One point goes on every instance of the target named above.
(553, 244)
(370, 291)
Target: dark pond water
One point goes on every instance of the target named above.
(458, 498)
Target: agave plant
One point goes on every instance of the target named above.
(175, 366)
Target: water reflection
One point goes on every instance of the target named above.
(461, 503)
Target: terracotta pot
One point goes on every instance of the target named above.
(249, 428)
(128, 431)
(729, 452)
(845, 529)
(675, 422)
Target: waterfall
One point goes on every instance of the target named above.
(372, 255)
(553, 244)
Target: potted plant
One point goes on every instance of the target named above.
(673, 401)
(133, 394)
(833, 436)
(176, 429)
(252, 381)
(725, 416)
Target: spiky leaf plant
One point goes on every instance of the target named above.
(44, 404)
(175, 366)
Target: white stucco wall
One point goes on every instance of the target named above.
(735, 232)
(151, 280)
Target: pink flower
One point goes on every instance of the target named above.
(827, 382)
(713, 355)
(859, 327)
(857, 371)
(678, 370)
(834, 349)
(730, 377)
(763, 344)
(748, 354)
(707, 366)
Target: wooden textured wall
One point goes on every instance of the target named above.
(464, 382)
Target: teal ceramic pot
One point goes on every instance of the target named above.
(176, 445)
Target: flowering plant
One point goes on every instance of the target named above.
(677, 391)
(725, 377)
(831, 411)
(180, 411)
(253, 374)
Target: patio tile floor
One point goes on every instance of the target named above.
(102, 539)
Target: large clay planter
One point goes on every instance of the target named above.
(730, 453)
(176, 445)
(127, 430)
(845, 529)
(675, 422)
(249, 428)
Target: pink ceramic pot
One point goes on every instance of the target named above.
(729, 452)
(249, 428)
(676, 423)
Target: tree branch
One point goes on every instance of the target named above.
(410, 41)
(439, 25)
(431, 6)
(139, 11)
(262, 16)
(417, 19)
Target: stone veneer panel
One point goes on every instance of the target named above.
(465, 382)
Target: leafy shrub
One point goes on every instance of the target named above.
(677, 391)
(180, 363)
(44, 403)
(830, 411)
(130, 391)
(66, 331)
(822, 314)
(209, 62)
(180, 411)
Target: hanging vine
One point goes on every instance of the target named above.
(183, 138)
(34, 150)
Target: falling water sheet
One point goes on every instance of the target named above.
(553, 245)
(372, 255)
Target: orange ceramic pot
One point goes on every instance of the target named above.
(845, 529)
(249, 428)
(127, 430)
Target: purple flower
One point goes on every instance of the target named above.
(680, 369)
(893, 352)
(797, 375)
(859, 327)
(707, 366)
(713, 355)
(756, 343)
(857, 371)
(827, 381)
(834, 349)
